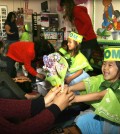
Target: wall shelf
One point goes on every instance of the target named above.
(3, 16)
(109, 42)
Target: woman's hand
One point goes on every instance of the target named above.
(50, 96)
(40, 76)
(68, 88)
(63, 99)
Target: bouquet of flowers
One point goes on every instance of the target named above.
(55, 67)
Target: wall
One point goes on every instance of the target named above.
(13, 5)
(99, 10)
(33, 4)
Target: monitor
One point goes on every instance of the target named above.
(44, 6)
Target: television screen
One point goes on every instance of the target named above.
(44, 6)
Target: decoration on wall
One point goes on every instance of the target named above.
(19, 17)
(28, 12)
(110, 24)
(107, 15)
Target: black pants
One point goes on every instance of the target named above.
(88, 47)
(11, 70)
(9, 89)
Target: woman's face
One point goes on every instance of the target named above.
(71, 44)
(13, 18)
(110, 71)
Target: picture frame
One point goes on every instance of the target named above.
(105, 28)
(50, 35)
(54, 35)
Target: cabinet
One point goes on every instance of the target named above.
(3, 16)
(45, 25)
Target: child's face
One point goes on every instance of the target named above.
(110, 71)
(71, 44)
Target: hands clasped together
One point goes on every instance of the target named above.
(61, 99)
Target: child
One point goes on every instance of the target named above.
(3, 64)
(103, 92)
(79, 64)
(26, 33)
(64, 48)
(64, 51)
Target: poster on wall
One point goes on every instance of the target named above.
(107, 19)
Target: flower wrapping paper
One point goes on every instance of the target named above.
(55, 67)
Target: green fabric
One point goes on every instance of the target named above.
(79, 62)
(92, 84)
(66, 55)
(58, 79)
(109, 107)
(63, 51)
(25, 37)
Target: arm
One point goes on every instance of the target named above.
(90, 97)
(70, 78)
(77, 87)
(37, 124)
(31, 70)
(7, 28)
(43, 120)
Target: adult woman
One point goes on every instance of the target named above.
(79, 17)
(11, 29)
(32, 116)
(27, 53)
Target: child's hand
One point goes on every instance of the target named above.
(64, 99)
(68, 80)
(72, 101)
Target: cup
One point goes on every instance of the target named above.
(115, 35)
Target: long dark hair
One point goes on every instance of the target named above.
(42, 47)
(76, 49)
(9, 16)
(68, 5)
